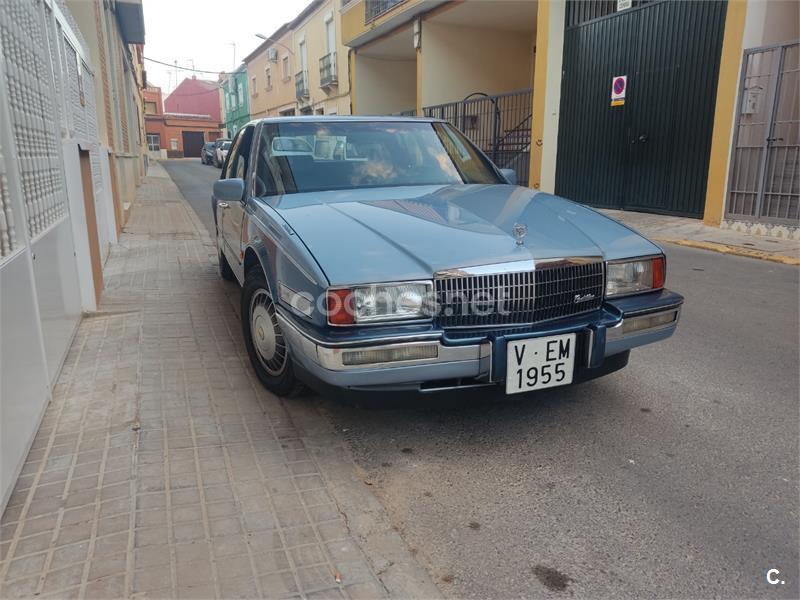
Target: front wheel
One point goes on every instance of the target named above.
(263, 338)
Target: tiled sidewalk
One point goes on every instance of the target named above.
(162, 467)
(695, 234)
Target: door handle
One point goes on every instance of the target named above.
(223, 205)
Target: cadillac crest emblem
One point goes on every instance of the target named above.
(520, 231)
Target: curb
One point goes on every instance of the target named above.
(733, 250)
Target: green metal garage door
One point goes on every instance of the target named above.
(651, 151)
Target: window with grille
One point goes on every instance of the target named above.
(36, 130)
(153, 142)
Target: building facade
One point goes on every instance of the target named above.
(321, 78)
(178, 135)
(700, 125)
(57, 210)
(302, 67)
(194, 97)
(468, 62)
(237, 101)
(114, 33)
(270, 73)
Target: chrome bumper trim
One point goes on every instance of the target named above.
(330, 357)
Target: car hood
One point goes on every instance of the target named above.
(404, 233)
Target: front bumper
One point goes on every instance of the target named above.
(437, 359)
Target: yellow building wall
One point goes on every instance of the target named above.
(335, 99)
(457, 61)
(384, 87)
(352, 18)
(269, 102)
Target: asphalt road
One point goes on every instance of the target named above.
(195, 180)
(676, 477)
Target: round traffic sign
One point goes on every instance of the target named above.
(619, 85)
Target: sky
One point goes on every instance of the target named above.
(201, 32)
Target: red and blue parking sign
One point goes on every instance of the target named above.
(619, 85)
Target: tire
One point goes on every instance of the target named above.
(268, 353)
(225, 270)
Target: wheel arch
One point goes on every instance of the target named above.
(251, 260)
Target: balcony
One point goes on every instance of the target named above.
(375, 8)
(327, 70)
(301, 85)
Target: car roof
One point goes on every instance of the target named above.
(345, 119)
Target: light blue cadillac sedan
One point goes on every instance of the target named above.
(389, 253)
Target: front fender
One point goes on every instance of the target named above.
(283, 257)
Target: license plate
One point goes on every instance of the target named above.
(538, 363)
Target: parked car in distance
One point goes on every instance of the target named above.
(406, 260)
(217, 144)
(207, 153)
(222, 153)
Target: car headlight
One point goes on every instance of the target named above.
(379, 302)
(635, 276)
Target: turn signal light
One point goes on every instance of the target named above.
(659, 272)
(340, 307)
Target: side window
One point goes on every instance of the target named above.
(239, 154)
(268, 171)
(232, 154)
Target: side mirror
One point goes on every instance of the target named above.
(229, 190)
(510, 175)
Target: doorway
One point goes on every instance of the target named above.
(765, 163)
(192, 143)
(91, 223)
(649, 152)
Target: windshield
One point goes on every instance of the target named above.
(307, 156)
(226, 145)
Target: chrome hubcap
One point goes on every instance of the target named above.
(267, 337)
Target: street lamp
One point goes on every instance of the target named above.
(269, 39)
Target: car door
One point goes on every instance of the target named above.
(231, 214)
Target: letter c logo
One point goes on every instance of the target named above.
(772, 577)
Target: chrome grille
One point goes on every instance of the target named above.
(520, 297)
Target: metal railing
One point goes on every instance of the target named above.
(500, 125)
(327, 70)
(375, 8)
(301, 85)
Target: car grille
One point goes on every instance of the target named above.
(523, 297)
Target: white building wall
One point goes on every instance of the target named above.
(44, 260)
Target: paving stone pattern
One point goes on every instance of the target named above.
(162, 468)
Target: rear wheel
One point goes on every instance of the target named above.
(265, 342)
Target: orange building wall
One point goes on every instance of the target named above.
(172, 128)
